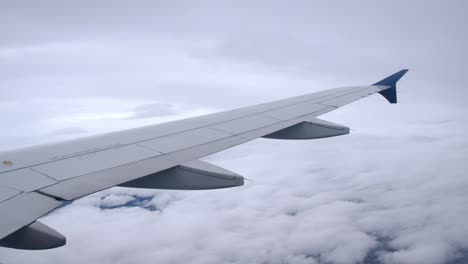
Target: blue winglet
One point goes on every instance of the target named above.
(390, 93)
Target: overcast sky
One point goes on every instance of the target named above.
(393, 191)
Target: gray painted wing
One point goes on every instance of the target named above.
(36, 180)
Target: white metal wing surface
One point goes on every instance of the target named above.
(37, 180)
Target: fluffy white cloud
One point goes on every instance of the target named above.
(363, 197)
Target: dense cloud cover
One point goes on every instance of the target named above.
(393, 191)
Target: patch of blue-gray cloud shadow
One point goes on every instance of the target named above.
(137, 201)
(374, 255)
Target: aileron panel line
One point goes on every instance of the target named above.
(349, 98)
(26, 180)
(73, 167)
(184, 140)
(244, 124)
(7, 192)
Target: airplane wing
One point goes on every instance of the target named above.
(34, 181)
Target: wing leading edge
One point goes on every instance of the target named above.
(37, 180)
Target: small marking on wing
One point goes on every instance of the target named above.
(7, 162)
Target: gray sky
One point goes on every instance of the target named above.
(393, 191)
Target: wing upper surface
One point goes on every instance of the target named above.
(39, 177)
(83, 174)
(28, 157)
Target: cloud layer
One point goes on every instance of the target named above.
(360, 198)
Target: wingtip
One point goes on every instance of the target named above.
(392, 79)
(404, 71)
(390, 92)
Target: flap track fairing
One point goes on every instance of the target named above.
(311, 129)
(194, 175)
